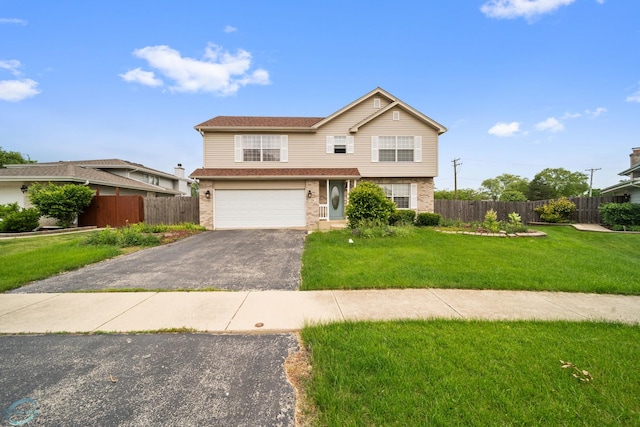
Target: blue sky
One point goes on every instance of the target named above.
(521, 85)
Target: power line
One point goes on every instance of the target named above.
(591, 179)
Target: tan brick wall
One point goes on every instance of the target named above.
(312, 204)
(206, 205)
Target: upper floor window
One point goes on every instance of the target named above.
(261, 148)
(396, 149)
(340, 144)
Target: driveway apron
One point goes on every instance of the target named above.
(226, 259)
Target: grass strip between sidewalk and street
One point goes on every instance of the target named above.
(451, 372)
(565, 260)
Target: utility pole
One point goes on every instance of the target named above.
(456, 163)
(591, 179)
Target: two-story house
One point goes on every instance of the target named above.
(631, 186)
(297, 172)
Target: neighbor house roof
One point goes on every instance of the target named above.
(69, 172)
(334, 173)
(624, 185)
(311, 124)
(108, 164)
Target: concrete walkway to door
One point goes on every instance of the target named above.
(279, 311)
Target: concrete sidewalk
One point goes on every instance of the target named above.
(277, 311)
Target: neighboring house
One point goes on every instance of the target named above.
(631, 187)
(105, 176)
(280, 172)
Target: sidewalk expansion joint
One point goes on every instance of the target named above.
(447, 304)
(333, 294)
(55, 295)
(226, 328)
(126, 311)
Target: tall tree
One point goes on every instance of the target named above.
(13, 158)
(505, 182)
(551, 183)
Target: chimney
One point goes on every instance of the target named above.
(179, 170)
(635, 156)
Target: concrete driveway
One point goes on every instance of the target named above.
(146, 380)
(228, 259)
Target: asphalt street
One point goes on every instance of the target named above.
(146, 380)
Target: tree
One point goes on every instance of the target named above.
(12, 158)
(367, 202)
(552, 183)
(513, 196)
(505, 182)
(62, 202)
(463, 194)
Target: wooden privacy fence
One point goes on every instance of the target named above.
(171, 210)
(118, 211)
(475, 210)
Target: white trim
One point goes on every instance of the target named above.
(413, 200)
(239, 153)
(376, 102)
(417, 149)
(374, 149)
(329, 144)
(396, 115)
(284, 148)
(351, 146)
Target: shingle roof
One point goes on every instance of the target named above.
(248, 121)
(67, 172)
(276, 173)
(108, 164)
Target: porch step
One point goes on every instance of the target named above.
(332, 225)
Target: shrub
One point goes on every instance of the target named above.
(8, 209)
(62, 202)
(402, 217)
(123, 237)
(513, 196)
(491, 222)
(20, 221)
(556, 210)
(427, 219)
(620, 215)
(368, 202)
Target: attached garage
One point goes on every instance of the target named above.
(263, 208)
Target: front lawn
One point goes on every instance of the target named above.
(27, 259)
(445, 372)
(565, 260)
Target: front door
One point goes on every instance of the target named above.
(336, 200)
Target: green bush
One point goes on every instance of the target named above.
(491, 222)
(368, 202)
(402, 217)
(62, 202)
(620, 215)
(20, 221)
(559, 210)
(427, 219)
(124, 237)
(8, 209)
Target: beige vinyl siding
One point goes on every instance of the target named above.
(308, 150)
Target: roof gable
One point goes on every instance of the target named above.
(311, 124)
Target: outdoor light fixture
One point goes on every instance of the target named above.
(207, 194)
(309, 194)
(24, 188)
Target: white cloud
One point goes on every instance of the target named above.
(230, 29)
(568, 115)
(510, 9)
(600, 1)
(551, 124)
(137, 75)
(505, 129)
(11, 65)
(13, 21)
(17, 90)
(219, 71)
(635, 97)
(598, 111)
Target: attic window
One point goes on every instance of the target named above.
(396, 115)
(376, 102)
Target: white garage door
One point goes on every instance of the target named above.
(259, 208)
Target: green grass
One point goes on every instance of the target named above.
(472, 373)
(27, 259)
(565, 260)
